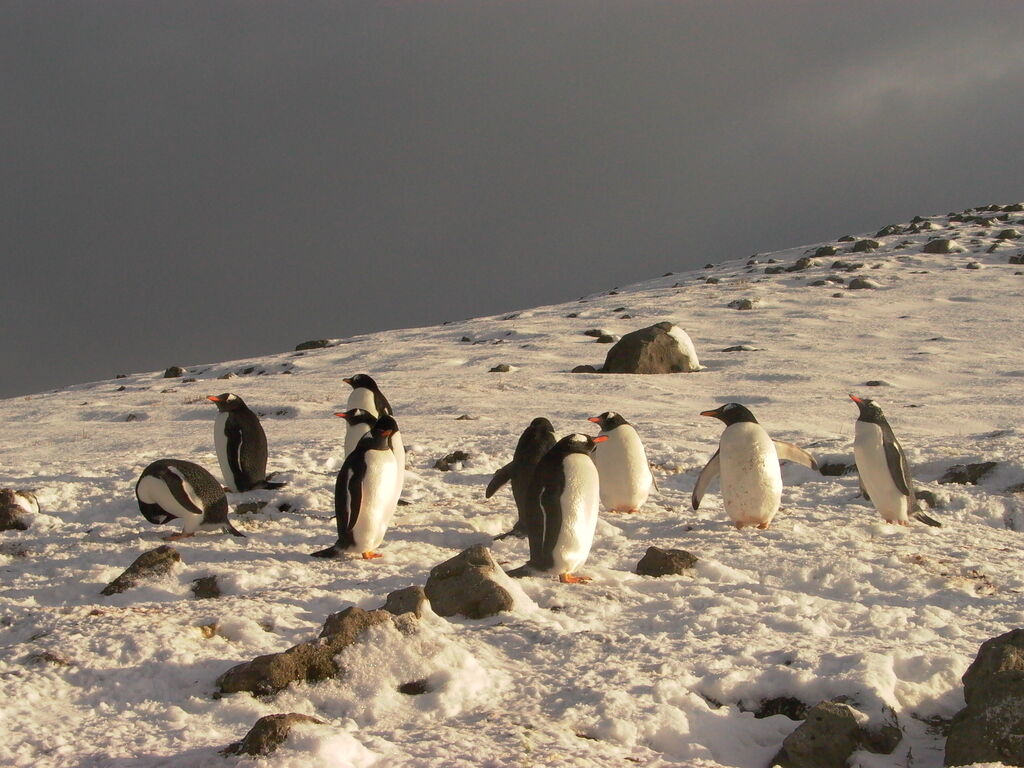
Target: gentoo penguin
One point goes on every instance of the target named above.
(364, 495)
(367, 396)
(359, 423)
(621, 464)
(748, 461)
(241, 445)
(536, 440)
(882, 466)
(561, 509)
(171, 488)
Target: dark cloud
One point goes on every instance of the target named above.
(186, 182)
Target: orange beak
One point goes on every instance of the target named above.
(213, 399)
(595, 419)
(347, 380)
(856, 399)
(341, 415)
(600, 438)
(709, 413)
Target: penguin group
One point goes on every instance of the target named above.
(558, 485)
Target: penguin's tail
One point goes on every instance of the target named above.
(523, 571)
(269, 485)
(229, 528)
(517, 530)
(333, 552)
(922, 517)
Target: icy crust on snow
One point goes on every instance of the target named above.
(829, 602)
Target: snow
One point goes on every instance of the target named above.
(830, 601)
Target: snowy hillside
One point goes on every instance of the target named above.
(626, 670)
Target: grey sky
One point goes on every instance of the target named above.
(185, 182)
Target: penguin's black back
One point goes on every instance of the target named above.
(243, 425)
(205, 485)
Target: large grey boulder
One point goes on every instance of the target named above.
(467, 585)
(146, 567)
(269, 733)
(310, 661)
(991, 727)
(659, 348)
(826, 739)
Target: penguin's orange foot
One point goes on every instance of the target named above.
(371, 555)
(178, 536)
(763, 526)
(568, 578)
(632, 511)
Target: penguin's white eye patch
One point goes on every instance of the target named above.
(578, 439)
(729, 407)
(232, 397)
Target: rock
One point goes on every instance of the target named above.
(49, 657)
(836, 469)
(467, 417)
(665, 562)
(607, 339)
(501, 368)
(864, 246)
(826, 739)
(13, 505)
(741, 304)
(315, 344)
(774, 270)
(414, 688)
(965, 474)
(845, 239)
(788, 706)
(848, 266)
(311, 661)
(941, 245)
(466, 585)
(174, 372)
(409, 600)
(973, 265)
(584, 369)
(889, 230)
(826, 250)
(455, 457)
(877, 383)
(660, 348)
(989, 728)
(206, 588)
(1009, 234)
(147, 566)
(1018, 259)
(228, 375)
(596, 332)
(740, 348)
(801, 264)
(269, 733)
(860, 283)
(713, 281)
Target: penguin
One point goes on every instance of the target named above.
(884, 473)
(364, 495)
(359, 423)
(367, 396)
(748, 461)
(561, 509)
(621, 464)
(536, 440)
(170, 488)
(241, 445)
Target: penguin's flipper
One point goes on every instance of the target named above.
(922, 517)
(794, 453)
(501, 477)
(863, 490)
(233, 431)
(897, 462)
(709, 473)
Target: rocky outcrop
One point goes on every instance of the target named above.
(147, 567)
(659, 348)
(268, 734)
(831, 733)
(467, 585)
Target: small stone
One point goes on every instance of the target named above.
(877, 383)
(314, 344)
(228, 375)
(864, 246)
(713, 281)
(146, 567)
(409, 600)
(465, 339)
(836, 468)
(846, 239)
(940, 245)
(741, 348)
(801, 264)
(455, 457)
(48, 657)
(887, 231)
(1009, 234)
(774, 270)
(826, 250)
(741, 304)
(247, 371)
(174, 372)
(584, 369)
(606, 339)
(467, 417)
(501, 368)
(269, 733)
(973, 265)
(205, 588)
(596, 332)
(665, 562)
(860, 283)
(414, 688)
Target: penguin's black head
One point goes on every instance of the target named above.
(227, 401)
(386, 425)
(608, 420)
(580, 443)
(361, 380)
(540, 424)
(869, 410)
(731, 413)
(357, 416)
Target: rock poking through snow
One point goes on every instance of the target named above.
(467, 585)
(269, 733)
(147, 567)
(665, 562)
(660, 348)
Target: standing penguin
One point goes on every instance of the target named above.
(364, 496)
(621, 464)
(170, 488)
(367, 396)
(359, 423)
(748, 461)
(561, 509)
(536, 440)
(241, 445)
(883, 469)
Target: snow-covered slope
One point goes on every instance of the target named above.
(830, 601)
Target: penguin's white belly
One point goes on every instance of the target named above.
(220, 441)
(153, 490)
(750, 477)
(378, 500)
(622, 466)
(398, 449)
(353, 434)
(361, 397)
(873, 468)
(579, 504)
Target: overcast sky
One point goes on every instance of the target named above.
(187, 182)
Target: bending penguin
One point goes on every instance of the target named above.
(366, 395)
(561, 510)
(360, 422)
(172, 488)
(748, 461)
(536, 440)
(365, 495)
(883, 469)
(621, 464)
(241, 445)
